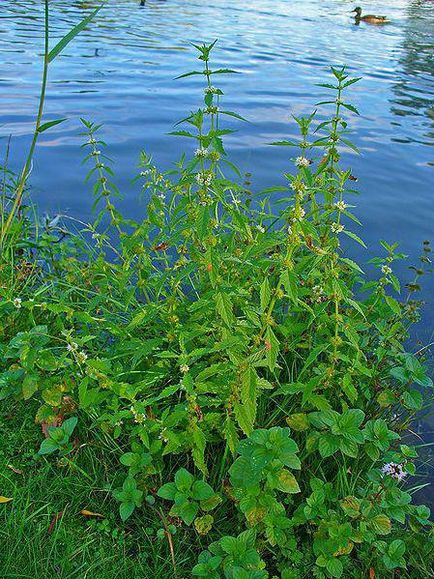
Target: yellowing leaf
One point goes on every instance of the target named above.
(13, 469)
(5, 499)
(287, 482)
(87, 513)
(344, 550)
(255, 515)
(204, 524)
(298, 422)
(351, 506)
(381, 524)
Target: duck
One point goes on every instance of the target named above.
(370, 18)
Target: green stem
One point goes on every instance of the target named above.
(25, 172)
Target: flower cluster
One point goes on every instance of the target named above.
(72, 347)
(394, 470)
(201, 152)
(211, 90)
(302, 162)
(212, 110)
(298, 213)
(337, 227)
(81, 357)
(204, 179)
(139, 417)
(341, 206)
(386, 269)
(17, 302)
(318, 294)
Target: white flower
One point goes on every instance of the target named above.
(81, 357)
(162, 196)
(302, 162)
(144, 173)
(212, 110)
(72, 347)
(298, 213)
(386, 269)
(337, 227)
(204, 179)
(297, 186)
(318, 293)
(201, 152)
(139, 418)
(17, 302)
(260, 228)
(211, 90)
(184, 368)
(289, 230)
(394, 470)
(341, 205)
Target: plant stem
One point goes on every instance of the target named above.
(25, 172)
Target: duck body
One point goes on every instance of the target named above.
(369, 18)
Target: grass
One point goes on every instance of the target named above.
(43, 534)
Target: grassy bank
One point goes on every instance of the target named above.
(44, 532)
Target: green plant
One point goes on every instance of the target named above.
(129, 496)
(235, 556)
(190, 495)
(227, 334)
(58, 438)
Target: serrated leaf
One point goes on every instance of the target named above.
(245, 408)
(224, 308)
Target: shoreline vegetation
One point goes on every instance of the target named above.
(215, 390)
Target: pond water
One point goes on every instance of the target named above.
(120, 72)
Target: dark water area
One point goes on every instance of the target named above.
(120, 71)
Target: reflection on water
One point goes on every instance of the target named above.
(414, 89)
(120, 72)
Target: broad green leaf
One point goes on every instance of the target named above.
(69, 425)
(224, 308)
(183, 479)
(298, 422)
(167, 491)
(201, 491)
(126, 510)
(188, 512)
(335, 567)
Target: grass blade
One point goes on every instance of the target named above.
(54, 52)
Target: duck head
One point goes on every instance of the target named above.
(358, 11)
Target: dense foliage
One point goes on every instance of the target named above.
(254, 380)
